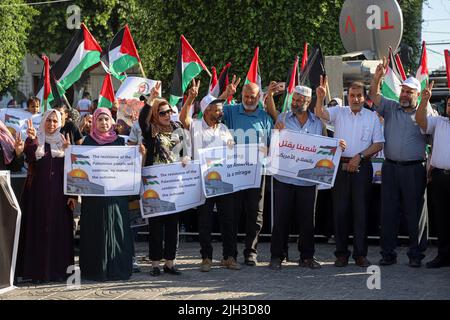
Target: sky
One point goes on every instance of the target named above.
(436, 28)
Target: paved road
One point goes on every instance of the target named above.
(290, 283)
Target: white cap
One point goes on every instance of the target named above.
(412, 83)
(304, 91)
(207, 100)
(338, 101)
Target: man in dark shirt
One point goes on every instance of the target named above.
(68, 127)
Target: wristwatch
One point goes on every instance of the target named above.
(361, 155)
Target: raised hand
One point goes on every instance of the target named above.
(193, 91)
(154, 93)
(66, 141)
(321, 90)
(232, 87)
(426, 93)
(18, 144)
(381, 68)
(31, 133)
(273, 88)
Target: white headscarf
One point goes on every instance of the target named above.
(54, 140)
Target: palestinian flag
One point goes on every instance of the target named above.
(253, 75)
(106, 98)
(213, 80)
(391, 86)
(290, 85)
(447, 66)
(79, 159)
(422, 72)
(187, 67)
(82, 53)
(221, 83)
(47, 86)
(121, 54)
(314, 68)
(305, 56)
(400, 68)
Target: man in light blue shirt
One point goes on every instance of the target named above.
(249, 124)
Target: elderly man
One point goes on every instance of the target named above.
(250, 124)
(361, 130)
(206, 133)
(439, 127)
(295, 197)
(404, 172)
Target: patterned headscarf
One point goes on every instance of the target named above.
(7, 142)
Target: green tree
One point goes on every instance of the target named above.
(103, 18)
(15, 23)
(229, 30)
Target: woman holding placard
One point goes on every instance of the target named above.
(106, 247)
(159, 139)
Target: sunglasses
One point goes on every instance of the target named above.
(163, 113)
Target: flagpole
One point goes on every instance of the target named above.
(142, 70)
(45, 105)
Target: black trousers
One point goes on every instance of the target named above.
(297, 202)
(441, 190)
(402, 190)
(163, 237)
(249, 204)
(225, 209)
(351, 194)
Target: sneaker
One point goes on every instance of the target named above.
(136, 268)
(206, 264)
(309, 263)
(231, 264)
(250, 261)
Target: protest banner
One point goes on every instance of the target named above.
(377, 163)
(102, 171)
(227, 170)
(16, 120)
(10, 216)
(128, 97)
(170, 188)
(304, 156)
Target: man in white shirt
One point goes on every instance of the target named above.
(439, 127)
(84, 105)
(361, 129)
(205, 133)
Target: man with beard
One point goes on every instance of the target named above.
(361, 129)
(206, 133)
(250, 124)
(403, 172)
(294, 197)
(439, 127)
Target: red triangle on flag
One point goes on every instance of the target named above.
(424, 60)
(107, 88)
(293, 77)
(188, 53)
(128, 46)
(213, 79)
(252, 74)
(305, 56)
(47, 85)
(447, 66)
(89, 42)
